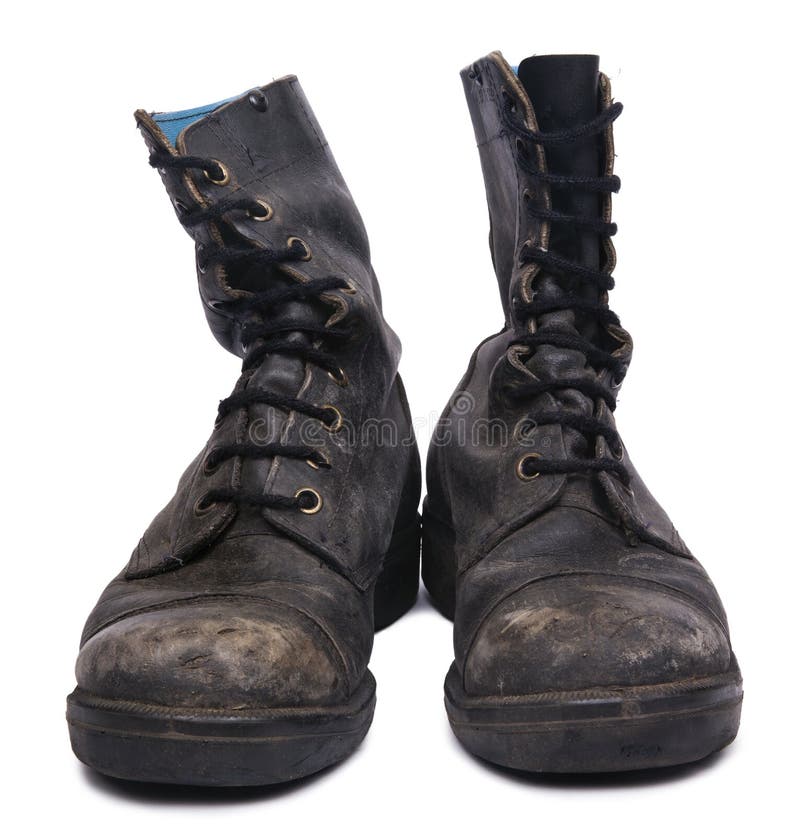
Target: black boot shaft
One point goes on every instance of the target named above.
(273, 152)
(254, 183)
(528, 211)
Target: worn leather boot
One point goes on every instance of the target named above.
(587, 636)
(233, 648)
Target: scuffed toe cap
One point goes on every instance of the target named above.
(228, 654)
(573, 633)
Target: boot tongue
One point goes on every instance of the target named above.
(563, 90)
(280, 372)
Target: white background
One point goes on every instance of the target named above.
(111, 377)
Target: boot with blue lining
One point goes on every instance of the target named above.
(233, 648)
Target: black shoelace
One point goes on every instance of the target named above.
(534, 464)
(263, 332)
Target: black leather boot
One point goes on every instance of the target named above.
(233, 648)
(587, 636)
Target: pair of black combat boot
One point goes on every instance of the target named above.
(233, 647)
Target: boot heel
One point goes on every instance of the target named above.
(398, 583)
(439, 563)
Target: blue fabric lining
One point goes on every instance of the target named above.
(174, 122)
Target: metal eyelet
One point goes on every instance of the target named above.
(316, 465)
(510, 99)
(339, 377)
(527, 477)
(522, 150)
(218, 181)
(619, 453)
(290, 242)
(615, 384)
(202, 506)
(209, 466)
(476, 75)
(268, 212)
(336, 424)
(315, 498)
(258, 100)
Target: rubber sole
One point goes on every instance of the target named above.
(618, 729)
(140, 742)
(613, 730)
(229, 748)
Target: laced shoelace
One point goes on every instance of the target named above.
(532, 464)
(263, 333)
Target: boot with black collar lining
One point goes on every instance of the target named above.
(587, 636)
